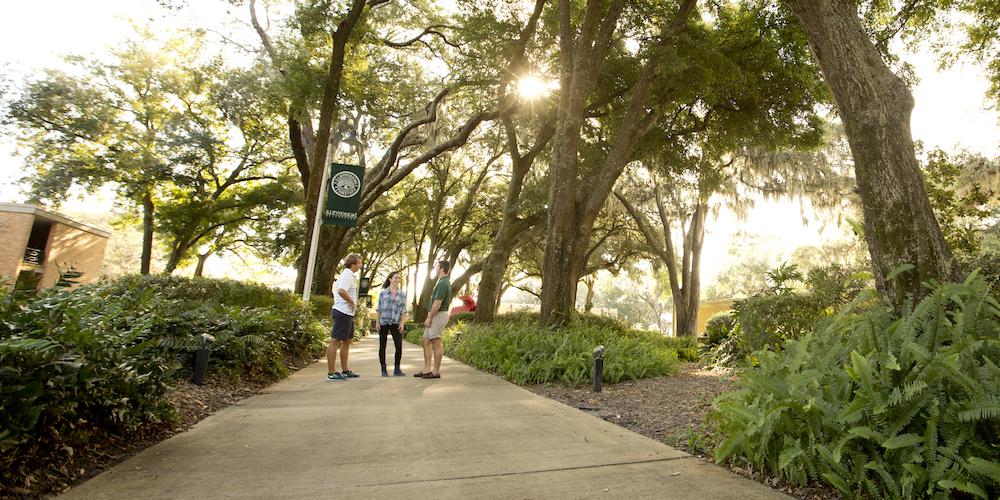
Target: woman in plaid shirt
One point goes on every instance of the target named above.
(391, 316)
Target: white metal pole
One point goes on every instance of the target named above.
(317, 224)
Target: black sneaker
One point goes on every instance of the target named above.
(350, 374)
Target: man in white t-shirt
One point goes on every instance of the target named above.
(345, 305)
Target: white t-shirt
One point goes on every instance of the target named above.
(349, 283)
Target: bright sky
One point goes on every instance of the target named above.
(950, 112)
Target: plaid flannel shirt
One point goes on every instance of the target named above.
(390, 311)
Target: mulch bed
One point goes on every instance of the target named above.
(672, 410)
(66, 468)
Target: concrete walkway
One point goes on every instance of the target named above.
(466, 435)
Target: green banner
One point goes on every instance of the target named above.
(343, 195)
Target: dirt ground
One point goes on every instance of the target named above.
(672, 410)
(663, 408)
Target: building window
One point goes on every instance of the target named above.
(34, 253)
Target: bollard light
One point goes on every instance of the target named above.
(201, 359)
(598, 367)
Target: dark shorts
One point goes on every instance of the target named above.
(343, 326)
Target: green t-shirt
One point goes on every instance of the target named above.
(442, 292)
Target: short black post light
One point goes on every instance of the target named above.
(598, 367)
(201, 359)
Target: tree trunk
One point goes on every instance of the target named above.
(147, 232)
(559, 276)
(563, 266)
(575, 204)
(491, 281)
(174, 259)
(685, 282)
(333, 241)
(424, 300)
(681, 317)
(495, 264)
(503, 290)
(875, 106)
(692, 279)
(488, 295)
(588, 305)
(200, 268)
(300, 272)
(463, 281)
(491, 285)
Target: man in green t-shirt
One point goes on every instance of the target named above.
(437, 319)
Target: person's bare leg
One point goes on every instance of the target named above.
(438, 346)
(331, 355)
(427, 356)
(345, 351)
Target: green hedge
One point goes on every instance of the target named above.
(515, 347)
(879, 405)
(100, 358)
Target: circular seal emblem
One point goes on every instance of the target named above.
(345, 184)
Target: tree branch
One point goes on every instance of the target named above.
(430, 30)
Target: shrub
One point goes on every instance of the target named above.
(515, 347)
(719, 345)
(878, 404)
(464, 317)
(768, 319)
(414, 334)
(988, 263)
(687, 348)
(834, 286)
(75, 364)
(321, 305)
(99, 358)
(255, 327)
(718, 328)
(531, 318)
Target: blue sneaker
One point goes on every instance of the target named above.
(335, 376)
(350, 374)
(385, 373)
(398, 373)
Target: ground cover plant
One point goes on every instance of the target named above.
(515, 347)
(879, 404)
(79, 365)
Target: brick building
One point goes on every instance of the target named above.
(37, 243)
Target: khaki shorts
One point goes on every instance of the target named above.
(436, 330)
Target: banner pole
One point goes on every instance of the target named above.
(317, 224)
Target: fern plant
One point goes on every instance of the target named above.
(878, 404)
